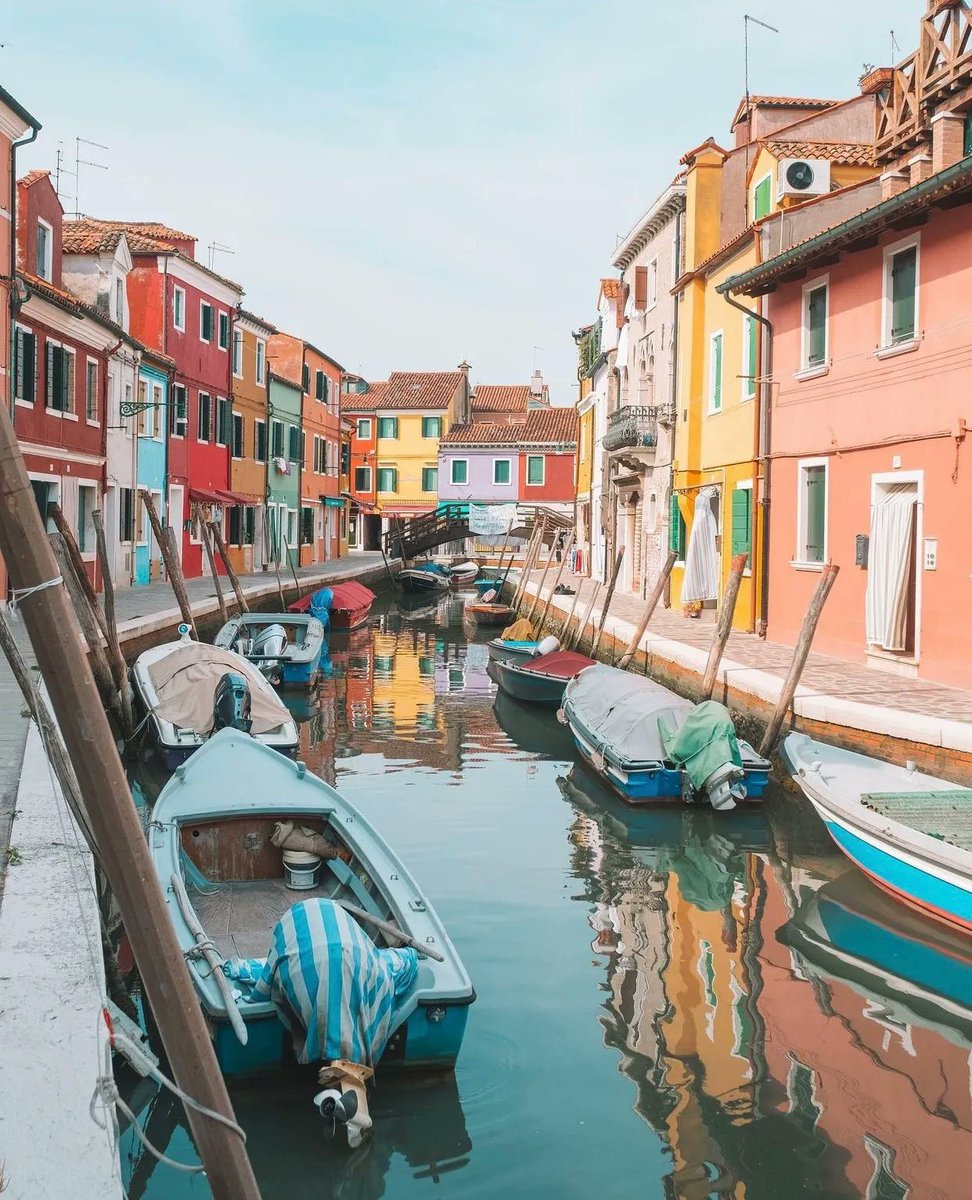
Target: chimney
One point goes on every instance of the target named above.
(948, 140)
(920, 166)
(877, 79)
(894, 182)
(538, 391)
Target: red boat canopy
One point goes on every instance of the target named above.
(348, 596)
(562, 664)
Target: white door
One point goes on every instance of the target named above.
(176, 514)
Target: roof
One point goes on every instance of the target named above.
(545, 426)
(86, 237)
(365, 402)
(148, 237)
(953, 182)
(737, 243)
(33, 177)
(667, 206)
(19, 109)
(60, 296)
(483, 433)
(610, 288)
(778, 102)
(495, 397)
(421, 389)
(556, 425)
(709, 144)
(245, 315)
(859, 154)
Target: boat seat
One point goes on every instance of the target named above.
(945, 815)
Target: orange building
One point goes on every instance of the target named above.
(246, 534)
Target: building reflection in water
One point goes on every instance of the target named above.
(776, 1025)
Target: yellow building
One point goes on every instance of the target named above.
(778, 162)
(585, 470)
(416, 409)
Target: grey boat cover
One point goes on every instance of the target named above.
(185, 682)
(623, 711)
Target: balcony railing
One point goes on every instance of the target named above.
(632, 428)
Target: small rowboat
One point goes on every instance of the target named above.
(649, 744)
(428, 578)
(223, 875)
(490, 614)
(487, 585)
(287, 650)
(910, 832)
(350, 604)
(517, 652)
(541, 680)
(464, 572)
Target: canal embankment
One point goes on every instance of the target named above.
(852, 706)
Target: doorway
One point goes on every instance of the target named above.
(893, 596)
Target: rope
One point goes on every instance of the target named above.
(19, 594)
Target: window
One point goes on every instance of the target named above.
(364, 429)
(241, 525)
(291, 528)
(303, 449)
(431, 427)
(87, 503)
(238, 353)
(305, 378)
(320, 386)
(45, 251)
(750, 363)
(293, 443)
(815, 306)
(261, 359)
(156, 417)
(362, 479)
(762, 197)
(179, 308)
(812, 511)
(967, 135)
(205, 417)
(459, 471)
(276, 439)
(742, 521)
(653, 283)
(224, 331)
(91, 391)
(502, 471)
(260, 441)
(205, 321)
(25, 366)
(120, 301)
(178, 412)
(60, 378)
(387, 479)
(388, 427)
(142, 416)
(430, 479)
(126, 514)
(901, 294)
(306, 525)
(237, 435)
(345, 458)
(535, 469)
(676, 527)
(715, 373)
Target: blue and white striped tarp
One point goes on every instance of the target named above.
(333, 988)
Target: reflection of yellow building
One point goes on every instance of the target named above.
(404, 687)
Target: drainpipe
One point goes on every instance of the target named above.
(14, 304)
(674, 398)
(763, 429)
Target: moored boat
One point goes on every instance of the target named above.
(543, 679)
(286, 649)
(224, 855)
(190, 690)
(649, 744)
(515, 651)
(464, 572)
(489, 614)
(429, 577)
(911, 833)
(349, 607)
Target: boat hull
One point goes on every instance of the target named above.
(346, 619)
(417, 582)
(490, 614)
(515, 652)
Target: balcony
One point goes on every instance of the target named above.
(632, 428)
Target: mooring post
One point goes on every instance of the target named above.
(563, 563)
(529, 561)
(211, 559)
(169, 547)
(570, 615)
(293, 569)
(575, 638)
(80, 573)
(724, 625)
(607, 600)
(800, 654)
(89, 626)
(651, 604)
(115, 656)
(228, 567)
(543, 577)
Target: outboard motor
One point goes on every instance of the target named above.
(231, 704)
(269, 643)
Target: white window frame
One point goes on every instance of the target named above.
(497, 482)
(204, 304)
(431, 417)
(119, 297)
(652, 284)
(206, 441)
(453, 463)
(159, 416)
(362, 467)
(757, 184)
(89, 529)
(747, 383)
(363, 437)
(233, 415)
(385, 492)
(807, 371)
(48, 273)
(72, 393)
(220, 313)
(266, 440)
(888, 348)
(271, 453)
(543, 464)
(236, 340)
(801, 562)
(717, 334)
(261, 360)
(92, 362)
(879, 481)
(176, 293)
(173, 400)
(13, 381)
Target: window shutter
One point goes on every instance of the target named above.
(58, 378)
(742, 521)
(676, 527)
(30, 366)
(641, 287)
(305, 378)
(817, 327)
(19, 363)
(904, 273)
(717, 372)
(319, 385)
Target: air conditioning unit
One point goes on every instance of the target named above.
(803, 177)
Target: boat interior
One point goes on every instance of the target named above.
(235, 879)
(250, 631)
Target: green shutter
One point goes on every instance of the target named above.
(904, 278)
(535, 469)
(305, 378)
(319, 385)
(676, 527)
(430, 479)
(57, 388)
(817, 327)
(762, 198)
(742, 521)
(752, 363)
(816, 501)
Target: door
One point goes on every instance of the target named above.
(892, 600)
(176, 513)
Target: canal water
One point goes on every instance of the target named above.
(670, 1003)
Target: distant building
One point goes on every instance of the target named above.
(359, 401)
(247, 532)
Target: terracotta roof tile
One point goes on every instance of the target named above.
(553, 425)
(87, 237)
(33, 177)
(58, 295)
(150, 237)
(421, 389)
(246, 315)
(493, 397)
(709, 144)
(482, 433)
(542, 427)
(860, 154)
(610, 288)
(365, 402)
(780, 102)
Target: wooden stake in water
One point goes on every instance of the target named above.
(724, 626)
(211, 559)
(650, 605)
(115, 657)
(563, 563)
(169, 547)
(531, 551)
(88, 625)
(575, 639)
(228, 567)
(80, 572)
(570, 615)
(543, 577)
(607, 601)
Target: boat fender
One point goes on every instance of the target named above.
(561, 716)
(549, 645)
(490, 596)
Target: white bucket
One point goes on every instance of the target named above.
(300, 869)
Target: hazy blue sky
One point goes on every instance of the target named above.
(412, 182)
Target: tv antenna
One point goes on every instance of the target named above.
(895, 49)
(80, 162)
(747, 21)
(535, 349)
(60, 169)
(215, 248)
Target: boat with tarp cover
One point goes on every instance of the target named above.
(349, 604)
(543, 679)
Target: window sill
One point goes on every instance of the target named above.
(908, 347)
(799, 565)
(24, 403)
(68, 416)
(812, 372)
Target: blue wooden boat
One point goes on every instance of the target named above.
(520, 651)
(650, 745)
(910, 832)
(286, 647)
(487, 585)
(428, 577)
(211, 840)
(541, 680)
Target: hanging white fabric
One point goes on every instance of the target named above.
(889, 577)
(701, 581)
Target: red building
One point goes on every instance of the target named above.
(548, 456)
(185, 310)
(359, 406)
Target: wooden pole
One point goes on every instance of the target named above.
(827, 580)
(570, 616)
(563, 563)
(652, 603)
(115, 657)
(724, 625)
(293, 569)
(80, 573)
(124, 849)
(527, 564)
(211, 559)
(607, 600)
(499, 565)
(384, 559)
(276, 570)
(85, 619)
(228, 567)
(170, 556)
(543, 577)
(575, 638)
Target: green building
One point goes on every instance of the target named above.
(285, 456)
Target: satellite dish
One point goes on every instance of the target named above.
(799, 176)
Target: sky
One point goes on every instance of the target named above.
(411, 183)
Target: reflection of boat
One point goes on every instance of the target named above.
(350, 604)
(650, 744)
(429, 577)
(910, 832)
(851, 930)
(284, 648)
(213, 835)
(541, 680)
(489, 614)
(183, 688)
(533, 730)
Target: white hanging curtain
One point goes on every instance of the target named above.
(889, 566)
(701, 580)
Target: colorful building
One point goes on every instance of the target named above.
(283, 469)
(358, 403)
(507, 404)
(246, 535)
(154, 378)
(585, 460)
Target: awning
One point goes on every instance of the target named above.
(454, 508)
(241, 498)
(333, 501)
(206, 496)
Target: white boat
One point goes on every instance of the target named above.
(464, 572)
(189, 690)
(287, 647)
